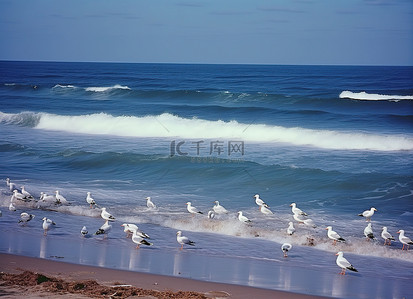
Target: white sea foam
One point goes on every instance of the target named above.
(64, 86)
(103, 89)
(171, 126)
(372, 97)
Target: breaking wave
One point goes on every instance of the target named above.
(172, 126)
(364, 96)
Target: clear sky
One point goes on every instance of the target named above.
(355, 32)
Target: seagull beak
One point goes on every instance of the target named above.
(336, 253)
(398, 232)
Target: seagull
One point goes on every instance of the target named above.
(26, 194)
(368, 214)
(138, 239)
(47, 224)
(25, 217)
(285, 248)
(104, 229)
(1, 214)
(183, 240)
(258, 200)
(334, 236)
(192, 209)
(219, 209)
(18, 195)
(107, 216)
(310, 222)
(344, 264)
(299, 218)
(84, 231)
(47, 198)
(265, 209)
(90, 200)
(12, 186)
(211, 214)
(149, 203)
(60, 198)
(242, 218)
(12, 207)
(128, 228)
(290, 229)
(368, 232)
(386, 236)
(405, 240)
(296, 210)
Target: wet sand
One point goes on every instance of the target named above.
(79, 274)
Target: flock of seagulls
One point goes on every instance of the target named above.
(140, 238)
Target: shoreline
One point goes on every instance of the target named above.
(14, 264)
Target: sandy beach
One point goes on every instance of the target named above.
(159, 286)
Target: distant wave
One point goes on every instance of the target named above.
(64, 86)
(103, 89)
(171, 126)
(371, 96)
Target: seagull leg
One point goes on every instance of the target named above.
(137, 247)
(45, 233)
(334, 242)
(182, 247)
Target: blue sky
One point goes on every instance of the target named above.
(349, 32)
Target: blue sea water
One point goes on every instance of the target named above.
(337, 140)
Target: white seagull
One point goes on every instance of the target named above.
(12, 207)
(310, 222)
(149, 203)
(299, 218)
(285, 248)
(242, 218)
(368, 214)
(296, 210)
(265, 210)
(12, 186)
(138, 239)
(258, 200)
(405, 240)
(290, 229)
(47, 198)
(84, 231)
(191, 209)
(333, 235)
(106, 215)
(219, 209)
(344, 264)
(47, 224)
(18, 195)
(386, 236)
(25, 217)
(60, 198)
(128, 228)
(368, 232)
(104, 229)
(183, 240)
(90, 200)
(26, 194)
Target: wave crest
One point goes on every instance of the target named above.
(364, 96)
(171, 126)
(105, 89)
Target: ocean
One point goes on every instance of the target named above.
(336, 140)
